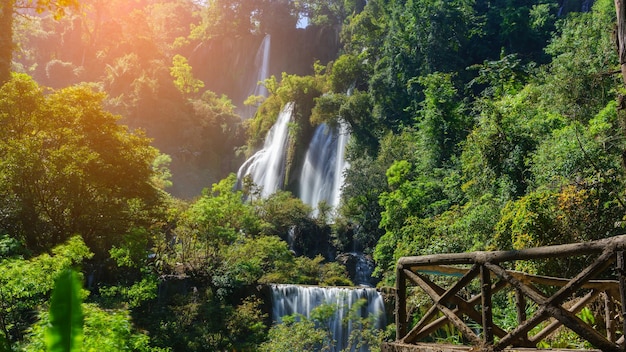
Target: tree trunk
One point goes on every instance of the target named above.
(620, 35)
(6, 40)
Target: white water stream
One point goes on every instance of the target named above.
(322, 175)
(267, 166)
(296, 299)
(261, 73)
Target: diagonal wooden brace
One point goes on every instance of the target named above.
(427, 286)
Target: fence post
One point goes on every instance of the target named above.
(621, 271)
(485, 288)
(401, 321)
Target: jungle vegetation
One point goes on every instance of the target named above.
(475, 125)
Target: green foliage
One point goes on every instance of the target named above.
(132, 252)
(227, 18)
(220, 214)
(255, 259)
(442, 122)
(586, 152)
(327, 13)
(583, 54)
(529, 154)
(412, 48)
(103, 330)
(9, 247)
(346, 72)
(26, 284)
(281, 211)
(65, 332)
(246, 327)
(132, 296)
(293, 335)
(502, 77)
(301, 90)
(183, 77)
(508, 130)
(299, 333)
(162, 174)
(197, 320)
(68, 167)
(556, 217)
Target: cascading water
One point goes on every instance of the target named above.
(267, 166)
(261, 64)
(295, 299)
(322, 175)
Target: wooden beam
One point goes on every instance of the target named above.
(621, 272)
(520, 306)
(416, 331)
(485, 291)
(419, 331)
(452, 317)
(529, 292)
(609, 322)
(449, 270)
(577, 307)
(555, 310)
(521, 331)
(598, 266)
(401, 321)
(563, 250)
(583, 330)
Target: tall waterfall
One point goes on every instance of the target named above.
(267, 166)
(321, 177)
(262, 66)
(295, 299)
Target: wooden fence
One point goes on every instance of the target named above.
(467, 304)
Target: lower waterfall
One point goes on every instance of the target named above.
(296, 299)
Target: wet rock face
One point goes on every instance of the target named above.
(359, 267)
(349, 261)
(310, 240)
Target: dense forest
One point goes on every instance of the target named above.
(474, 125)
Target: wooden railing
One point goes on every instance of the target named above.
(467, 303)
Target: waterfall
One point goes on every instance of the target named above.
(267, 166)
(261, 65)
(295, 299)
(322, 175)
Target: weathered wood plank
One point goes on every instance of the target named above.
(582, 329)
(563, 250)
(485, 290)
(598, 266)
(401, 321)
(606, 285)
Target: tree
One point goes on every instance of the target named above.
(7, 9)
(620, 9)
(6, 40)
(238, 18)
(183, 77)
(25, 284)
(69, 168)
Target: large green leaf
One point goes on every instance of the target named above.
(65, 333)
